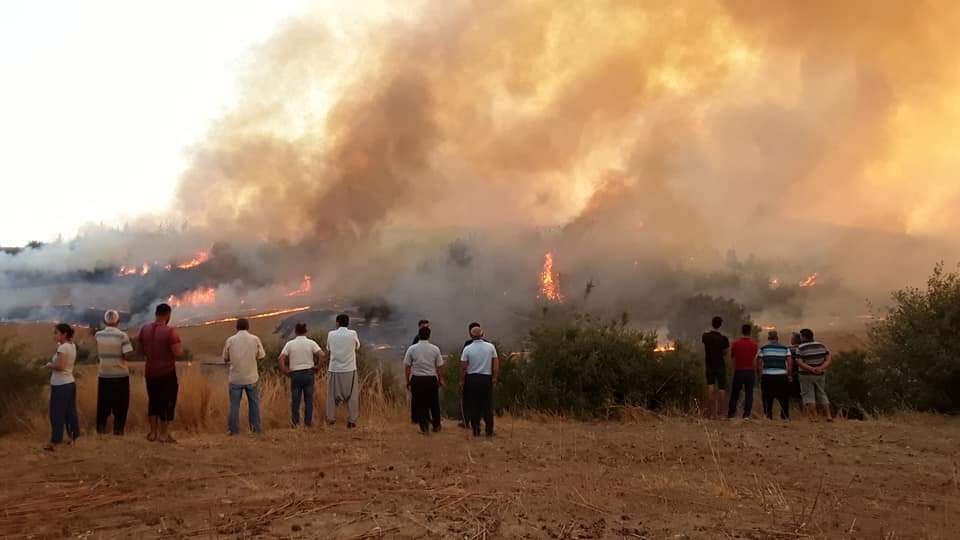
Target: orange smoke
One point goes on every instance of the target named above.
(550, 280)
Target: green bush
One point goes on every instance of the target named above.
(20, 381)
(587, 367)
(917, 345)
(855, 384)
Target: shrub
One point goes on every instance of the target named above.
(693, 316)
(587, 367)
(917, 344)
(855, 383)
(21, 383)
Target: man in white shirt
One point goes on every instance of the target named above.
(241, 352)
(423, 367)
(481, 366)
(343, 385)
(299, 360)
(113, 381)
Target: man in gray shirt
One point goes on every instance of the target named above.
(423, 366)
(113, 381)
(481, 366)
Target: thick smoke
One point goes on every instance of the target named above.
(431, 160)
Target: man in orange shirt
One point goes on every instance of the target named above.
(744, 353)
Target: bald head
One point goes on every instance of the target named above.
(111, 317)
(476, 332)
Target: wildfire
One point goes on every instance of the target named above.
(550, 280)
(665, 347)
(811, 280)
(259, 315)
(198, 297)
(774, 283)
(201, 257)
(134, 270)
(305, 287)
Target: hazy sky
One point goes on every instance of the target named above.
(100, 99)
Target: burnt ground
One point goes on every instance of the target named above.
(653, 478)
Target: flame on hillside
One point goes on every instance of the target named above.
(200, 258)
(550, 280)
(810, 280)
(203, 296)
(258, 315)
(665, 347)
(305, 287)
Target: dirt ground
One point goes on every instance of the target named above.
(549, 478)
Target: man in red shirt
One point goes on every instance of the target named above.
(744, 353)
(161, 347)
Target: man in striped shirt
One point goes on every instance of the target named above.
(775, 366)
(113, 381)
(814, 360)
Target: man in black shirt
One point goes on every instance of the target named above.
(716, 347)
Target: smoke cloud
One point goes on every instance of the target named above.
(660, 148)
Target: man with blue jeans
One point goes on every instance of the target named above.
(241, 352)
(299, 360)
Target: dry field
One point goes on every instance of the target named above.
(651, 477)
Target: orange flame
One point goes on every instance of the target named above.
(550, 280)
(202, 257)
(665, 347)
(259, 315)
(198, 297)
(811, 280)
(127, 270)
(305, 287)
(145, 269)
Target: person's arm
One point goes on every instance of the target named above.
(406, 374)
(284, 363)
(440, 363)
(125, 349)
(758, 364)
(57, 365)
(789, 366)
(175, 345)
(407, 365)
(226, 352)
(496, 368)
(804, 367)
(261, 354)
(826, 363)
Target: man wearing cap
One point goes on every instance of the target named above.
(776, 367)
(113, 374)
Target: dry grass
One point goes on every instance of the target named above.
(203, 403)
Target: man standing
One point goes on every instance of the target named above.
(423, 367)
(481, 366)
(715, 347)
(113, 381)
(744, 352)
(299, 359)
(413, 400)
(241, 352)
(814, 360)
(161, 347)
(342, 383)
(776, 367)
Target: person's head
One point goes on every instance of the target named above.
(300, 329)
(163, 312)
(343, 320)
(716, 322)
(475, 331)
(795, 339)
(243, 324)
(746, 330)
(773, 336)
(422, 323)
(806, 335)
(111, 317)
(424, 333)
(63, 332)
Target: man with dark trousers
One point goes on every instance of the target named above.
(423, 323)
(423, 368)
(481, 366)
(744, 353)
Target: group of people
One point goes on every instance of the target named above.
(785, 372)
(301, 360)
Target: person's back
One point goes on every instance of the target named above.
(157, 340)
(773, 357)
(242, 350)
(715, 344)
(112, 345)
(300, 352)
(744, 353)
(342, 345)
(813, 353)
(423, 359)
(479, 355)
